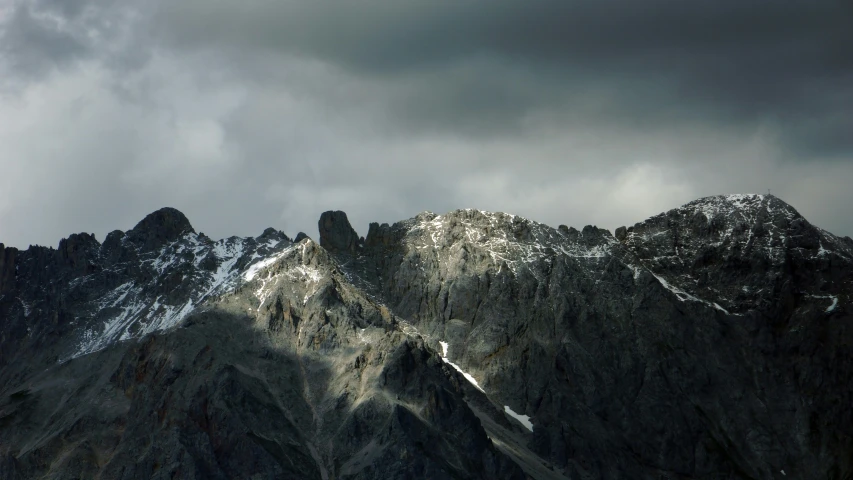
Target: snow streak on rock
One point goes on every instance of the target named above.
(465, 374)
(135, 308)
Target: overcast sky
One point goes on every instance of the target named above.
(255, 113)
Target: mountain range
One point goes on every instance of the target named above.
(712, 341)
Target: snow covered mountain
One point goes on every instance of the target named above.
(710, 341)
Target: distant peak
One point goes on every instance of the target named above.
(743, 203)
(273, 234)
(159, 228)
(733, 198)
(738, 198)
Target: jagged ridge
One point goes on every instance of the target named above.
(709, 341)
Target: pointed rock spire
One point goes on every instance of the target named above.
(7, 267)
(336, 233)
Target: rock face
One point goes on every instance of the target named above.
(336, 233)
(159, 228)
(711, 341)
(7, 268)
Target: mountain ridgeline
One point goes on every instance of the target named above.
(713, 341)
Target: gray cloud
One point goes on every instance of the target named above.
(735, 63)
(259, 113)
(36, 44)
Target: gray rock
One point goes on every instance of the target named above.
(271, 234)
(7, 268)
(79, 252)
(336, 233)
(159, 228)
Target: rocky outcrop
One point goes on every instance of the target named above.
(336, 233)
(79, 252)
(381, 237)
(7, 268)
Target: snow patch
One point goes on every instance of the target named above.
(27, 308)
(742, 200)
(139, 313)
(523, 419)
(465, 374)
(831, 308)
(637, 270)
(228, 255)
(684, 296)
(443, 348)
(363, 336)
(253, 270)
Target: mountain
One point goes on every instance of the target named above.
(712, 341)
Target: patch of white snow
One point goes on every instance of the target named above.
(523, 419)
(253, 269)
(362, 336)
(831, 308)
(684, 296)
(459, 369)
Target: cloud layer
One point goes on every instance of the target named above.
(260, 113)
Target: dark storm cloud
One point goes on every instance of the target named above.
(38, 38)
(36, 45)
(486, 68)
(485, 65)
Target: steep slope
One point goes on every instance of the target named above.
(712, 341)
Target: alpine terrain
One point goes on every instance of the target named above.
(713, 341)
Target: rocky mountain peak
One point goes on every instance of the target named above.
(336, 233)
(740, 251)
(159, 228)
(272, 234)
(743, 207)
(721, 220)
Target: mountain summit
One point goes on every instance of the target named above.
(711, 341)
(160, 228)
